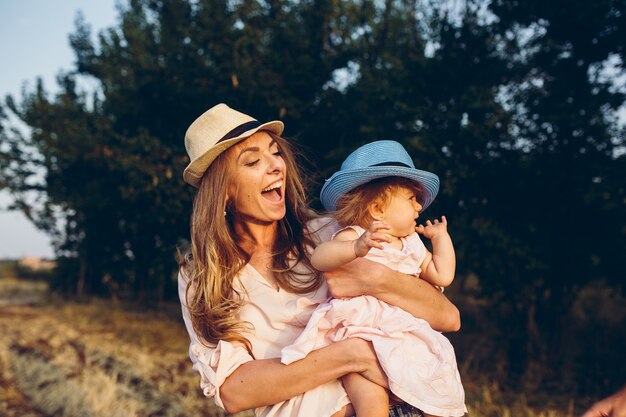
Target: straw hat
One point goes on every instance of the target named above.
(383, 158)
(216, 130)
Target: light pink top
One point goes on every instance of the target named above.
(278, 318)
(407, 260)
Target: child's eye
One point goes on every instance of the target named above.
(278, 153)
(252, 163)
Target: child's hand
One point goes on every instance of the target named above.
(371, 239)
(432, 230)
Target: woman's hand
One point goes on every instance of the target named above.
(613, 406)
(366, 361)
(355, 278)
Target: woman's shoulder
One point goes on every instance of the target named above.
(322, 228)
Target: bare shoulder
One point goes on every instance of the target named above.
(347, 234)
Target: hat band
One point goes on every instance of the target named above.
(391, 164)
(240, 129)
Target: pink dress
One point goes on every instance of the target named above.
(419, 362)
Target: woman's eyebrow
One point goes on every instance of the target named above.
(250, 149)
(255, 148)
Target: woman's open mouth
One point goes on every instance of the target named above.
(273, 192)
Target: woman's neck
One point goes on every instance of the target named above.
(256, 237)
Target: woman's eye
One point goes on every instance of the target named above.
(278, 153)
(252, 163)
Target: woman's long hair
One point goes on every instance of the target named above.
(215, 258)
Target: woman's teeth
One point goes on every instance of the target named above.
(271, 187)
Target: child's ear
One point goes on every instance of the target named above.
(376, 210)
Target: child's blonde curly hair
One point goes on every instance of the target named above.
(353, 206)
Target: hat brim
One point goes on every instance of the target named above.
(343, 181)
(196, 168)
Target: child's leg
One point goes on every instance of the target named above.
(368, 399)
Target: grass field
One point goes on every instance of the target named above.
(101, 359)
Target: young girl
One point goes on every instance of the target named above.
(376, 197)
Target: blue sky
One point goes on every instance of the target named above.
(34, 43)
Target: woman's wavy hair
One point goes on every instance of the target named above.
(214, 258)
(353, 207)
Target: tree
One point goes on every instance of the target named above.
(111, 160)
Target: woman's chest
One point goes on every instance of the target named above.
(277, 317)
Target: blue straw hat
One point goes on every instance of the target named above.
(383, 158)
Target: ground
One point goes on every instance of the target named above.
(97, 359)
(102, 359)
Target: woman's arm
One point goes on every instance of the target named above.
(414, 295)
(267, 381)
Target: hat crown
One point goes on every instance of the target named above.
(378, 153)
(210, 127)
(380, 159)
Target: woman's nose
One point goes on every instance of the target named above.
(276, 163)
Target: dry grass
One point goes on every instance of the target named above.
(69, 359)
(101, 360)
(487, 400)
(19, 291)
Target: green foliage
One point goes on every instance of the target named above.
(507, 101)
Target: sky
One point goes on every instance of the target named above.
(34, 42)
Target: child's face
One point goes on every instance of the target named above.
(402, 211)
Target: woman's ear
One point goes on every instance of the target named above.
(376, 210)
(226, 205)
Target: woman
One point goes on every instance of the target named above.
(247, 287)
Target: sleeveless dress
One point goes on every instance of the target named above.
(419, 362)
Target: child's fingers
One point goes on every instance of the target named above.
(428, 223)
(420, 229)
(374, 244)
(444, 220)
(378, 225)
(380, 237)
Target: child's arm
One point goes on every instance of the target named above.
(438, 268)
(346, 246)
